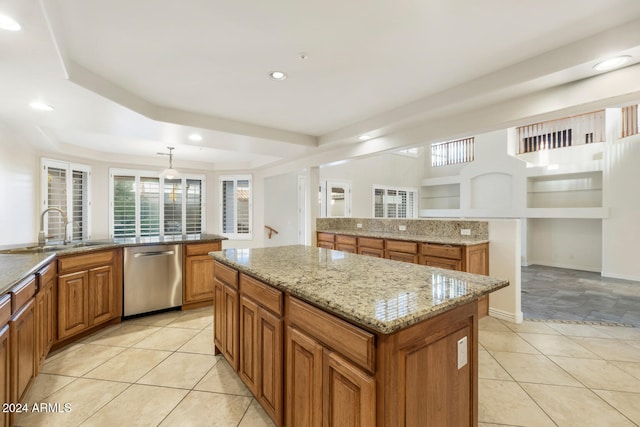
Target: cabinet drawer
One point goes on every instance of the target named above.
(82, 262)
(261, 293)
(368, 242)
(348, 340)
(5, 309)
(201, 248)
(22, 293)
(47, 274)
(226, 275)
(442, 251)
(325, 237)
(345, 240)
(401, 246)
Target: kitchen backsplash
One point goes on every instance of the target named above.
(423, 227)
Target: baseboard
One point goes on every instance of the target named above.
(560, 265)
(621, 276)
(505, 315)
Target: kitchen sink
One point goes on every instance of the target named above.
(51, 248)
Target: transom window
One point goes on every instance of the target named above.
(453, 152)
(144, 204)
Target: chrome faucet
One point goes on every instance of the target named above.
(42, 239)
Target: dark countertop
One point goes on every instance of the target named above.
(378, 294)
(16, 263)
(458, 240)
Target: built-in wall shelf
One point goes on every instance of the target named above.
(440, 196)
(569, 213)
(567, 190)
(549, 213)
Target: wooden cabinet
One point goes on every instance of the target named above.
(261, 343)
(5, 357)
(346, 243)
(46, 318)
(371, 247)
(226, 314)
(22, 331)
(326, 240)
(198, 287)
(89, 291)
(329, 373)
(441, 256)
(401, 250)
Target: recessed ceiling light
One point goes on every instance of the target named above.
(609, 64)
(195, 137)
(41, 106)
(8, 23)
(364, 137)
(277, 75)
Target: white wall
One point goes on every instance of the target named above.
(384, 169)
(281, 209)
(565, 243)
(621, 230)
(19, 184)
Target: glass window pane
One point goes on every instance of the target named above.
(124, 206)
(172, 206)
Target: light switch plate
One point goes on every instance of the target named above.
(402, 227)
(358, 225)
(462, 352)
(465, 232)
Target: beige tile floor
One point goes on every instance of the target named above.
(160, 370)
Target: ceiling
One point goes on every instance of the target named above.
(129, 78)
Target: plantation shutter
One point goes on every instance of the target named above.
(149, 206)
(172, 206)
(56, 198)
(124, 206)
(194, 206)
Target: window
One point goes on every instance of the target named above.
(453, 152)
(66, 186)
(630, 121)
(394, 202)
(144, 204)
(235, 206)
(583, 129)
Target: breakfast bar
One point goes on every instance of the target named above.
(324, 337)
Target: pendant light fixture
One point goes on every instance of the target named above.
(170, 172)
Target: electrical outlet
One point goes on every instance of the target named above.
(358, 225)
(402, 227)
(462, 352)
(465, 232)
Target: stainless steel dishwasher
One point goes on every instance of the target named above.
(152, 278)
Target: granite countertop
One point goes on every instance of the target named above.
(378, 294)
(16, 267)
(19, 261)
(458, 240)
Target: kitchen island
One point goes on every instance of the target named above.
(366, 341)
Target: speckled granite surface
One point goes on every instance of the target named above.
(379, 294)
(418, 230)
(14, 268)
(16, 265)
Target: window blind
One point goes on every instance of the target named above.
(236, 206)
(80, 202)
(172, 206)
(149, 206)
(124, 206)
(394, 203)
(56, 198)
(193, 223)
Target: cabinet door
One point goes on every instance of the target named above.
(436, 364)
(198, 278)
(326, 245)
(101, 295)
(5, 373)
(477, 259)
(218, 316)
(249, 343)
(23, 347)
(270, 364)
(346, 248)
(73, 303)
(45, 321)
(231, 333)
(304, 380)
(349, 394)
